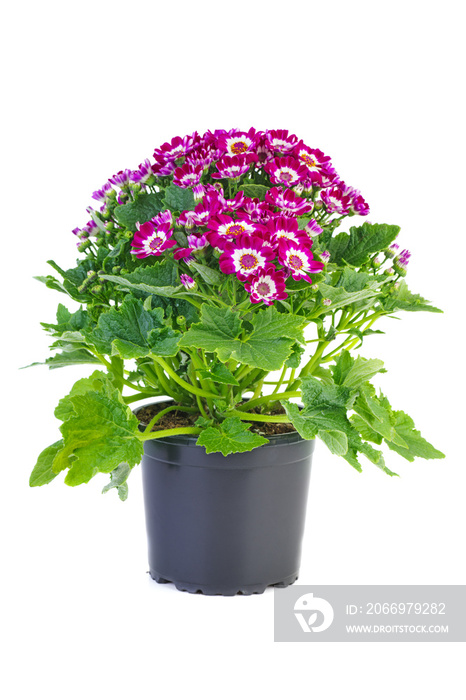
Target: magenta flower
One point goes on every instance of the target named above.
(176, 148)
(121, 178)
(196, 245)
(358, 205)
(336, 199)
(162, 168)
(223, 228)
(260, 212)
(234, 166)
(187, 281)
(101, 195)
(280, 140)
(298, 259)
(143, 173)
(245, 256)
(267, 285)
(312, 158)
(150, 239)
(401, 261)
(200, 216)
(187, 175)
(312, 228)
(286, 171)
(289, 202)
(282, 227)
(237, 142)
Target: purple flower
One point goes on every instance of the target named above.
(176, 148)
(266, 286)
(282, 227)
(150, 239)
(237, 142)
(286, 171)
(196, 245)
(223, 228)
(188, 175)
(101, 195)
(289, 202)
(280, 140)
(245, 256)
(121, 178)
(187, 281)
(234, 166)
(298, 259)
(143, 173)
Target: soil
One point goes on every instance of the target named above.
(181, 419)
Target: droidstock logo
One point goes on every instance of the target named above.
(308, 605)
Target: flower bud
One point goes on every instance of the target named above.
(326, 302)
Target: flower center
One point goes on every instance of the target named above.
(248, 261)
(295, 262)
(239, 147)
(155, 243)
(310, 162)
(263, 288)
(235, 229)
(285, 176)
(285, 234)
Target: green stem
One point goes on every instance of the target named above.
(167, 433)
(280, 381)
(137, 397)
(270, 397)
(258, 418)
(188, 387)
(158, 416)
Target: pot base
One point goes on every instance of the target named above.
(215, 590)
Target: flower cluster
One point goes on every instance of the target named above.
(259, 200)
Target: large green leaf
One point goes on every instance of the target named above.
(266, 344)
(133, 331)
(68, 358)
(98, 381)
(144, 208)
(230, 436)
(362, 241)
(101, 433)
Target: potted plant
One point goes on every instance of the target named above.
(214, 287)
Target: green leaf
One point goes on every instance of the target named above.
(318, 396)
(144, 208)
(68, 358)
(208, 274)
(133, 331)
(179, 199)
(417, 446)
(218, 373)
(339, 297)
(361, 242)
(336, 441)
(402, 298)
(217, 331)
(361, 371)
(98, 381)
(230, 436)
(118, 480)
(101, 433)
(364, 430)
(294, 359)
(352, 280)
(267, 346)
(43, 472)
(255, 191)
(377, 416)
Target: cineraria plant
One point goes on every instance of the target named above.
(200, 273)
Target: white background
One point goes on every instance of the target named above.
(92, 88)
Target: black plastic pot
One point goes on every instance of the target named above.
(226, 525)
